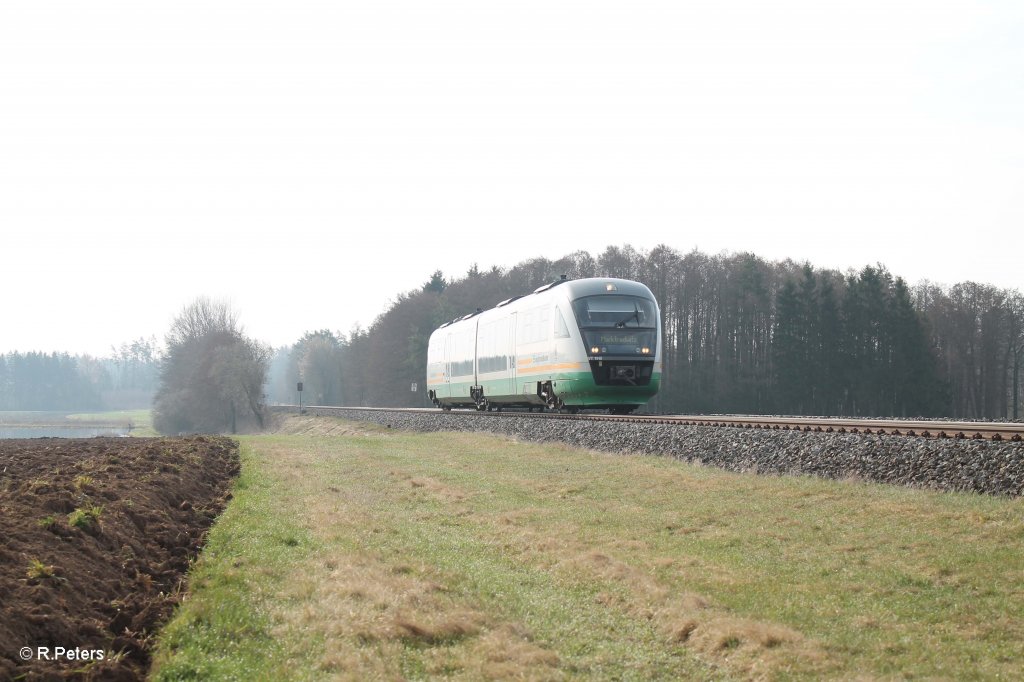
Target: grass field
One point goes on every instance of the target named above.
(65, 424)
(352, 552)
(140, 420)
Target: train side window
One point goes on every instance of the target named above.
(561, 329)
(535, 325)
(544, 324)
(527, 324)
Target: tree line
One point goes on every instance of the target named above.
(741, 335)
(46, 381)
(61, 382)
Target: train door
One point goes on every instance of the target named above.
(512, 355)
(446, 368)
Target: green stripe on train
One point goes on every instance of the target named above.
(574, 388)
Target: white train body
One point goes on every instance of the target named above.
(573, 344)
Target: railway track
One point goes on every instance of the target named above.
(993, 431)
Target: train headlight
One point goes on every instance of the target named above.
(595, 350)
(645, 350)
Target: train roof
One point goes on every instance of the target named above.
(573, 288)
(594, 286)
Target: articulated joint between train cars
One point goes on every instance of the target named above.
(477, 394)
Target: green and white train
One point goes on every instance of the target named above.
(587, 344)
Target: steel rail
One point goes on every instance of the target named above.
(994, 431)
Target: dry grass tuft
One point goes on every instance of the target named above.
(509, 652)
(438, 489)
(360, 599)
(723, 634)
(519, 517)
(354, 664)
(756, 648)
(866, 622)
(682, 631)
(690, 619)
(446, 630)
(608, 599)
(601, 564)
(692, 602)
(642, 584)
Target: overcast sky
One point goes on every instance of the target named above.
(311, 161)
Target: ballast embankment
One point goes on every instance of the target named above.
(994, 468)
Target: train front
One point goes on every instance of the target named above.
(620, 326)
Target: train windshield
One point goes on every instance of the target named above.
(615, 312)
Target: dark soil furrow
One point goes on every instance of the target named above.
(96, 536)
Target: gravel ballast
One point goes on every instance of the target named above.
(995, 468)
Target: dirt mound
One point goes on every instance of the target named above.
(95, 538)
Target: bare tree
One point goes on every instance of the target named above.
(212, 377)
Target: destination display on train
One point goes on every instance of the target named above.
(616, 339)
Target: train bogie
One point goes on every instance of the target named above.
(573, 344)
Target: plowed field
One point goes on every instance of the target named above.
(95, 538)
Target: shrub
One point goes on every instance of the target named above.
(85, 518)
(38, 571)
(48, 522)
